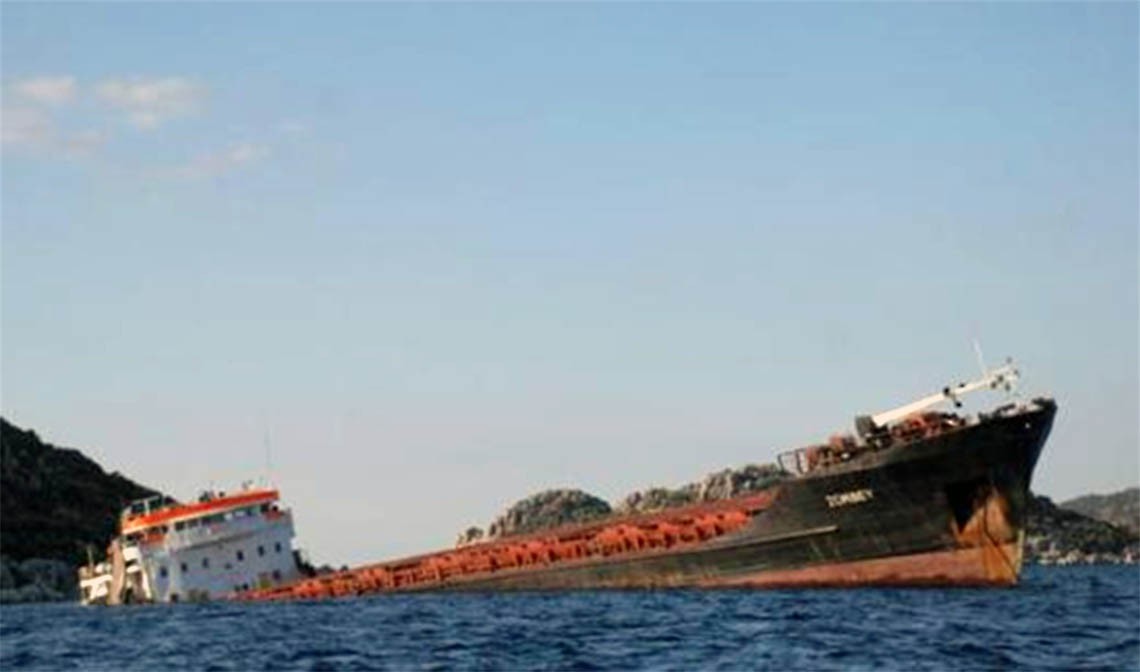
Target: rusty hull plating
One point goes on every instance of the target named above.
(934, 501)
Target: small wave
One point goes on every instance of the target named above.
(1057, 620)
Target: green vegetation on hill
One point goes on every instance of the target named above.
(54, 502)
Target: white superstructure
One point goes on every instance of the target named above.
(213, 548)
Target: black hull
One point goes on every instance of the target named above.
(946, 510)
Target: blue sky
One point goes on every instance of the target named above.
(438, 257)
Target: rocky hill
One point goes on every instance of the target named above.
(1055, 535)
(551, 508)
(548, 509)
(715, 486)
(54, 503)
(1121, 509)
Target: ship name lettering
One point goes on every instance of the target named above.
(848, 498)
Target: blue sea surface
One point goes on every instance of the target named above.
(1065, 618)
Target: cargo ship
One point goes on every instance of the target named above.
(213, 548)
(916, 496)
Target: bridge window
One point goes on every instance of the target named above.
(205, 563)
(162, 571)
(240, 556)
(261, 550)
(185, 568)
(277, 546)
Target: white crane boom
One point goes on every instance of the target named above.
(1004, 377)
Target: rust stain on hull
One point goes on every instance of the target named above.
(989, 553)
(960, 567)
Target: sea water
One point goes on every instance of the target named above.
(1065, 618)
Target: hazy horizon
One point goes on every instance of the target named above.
(259, 479)
(440, 257)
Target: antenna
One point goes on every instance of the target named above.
(268, 477)
(981, 360)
